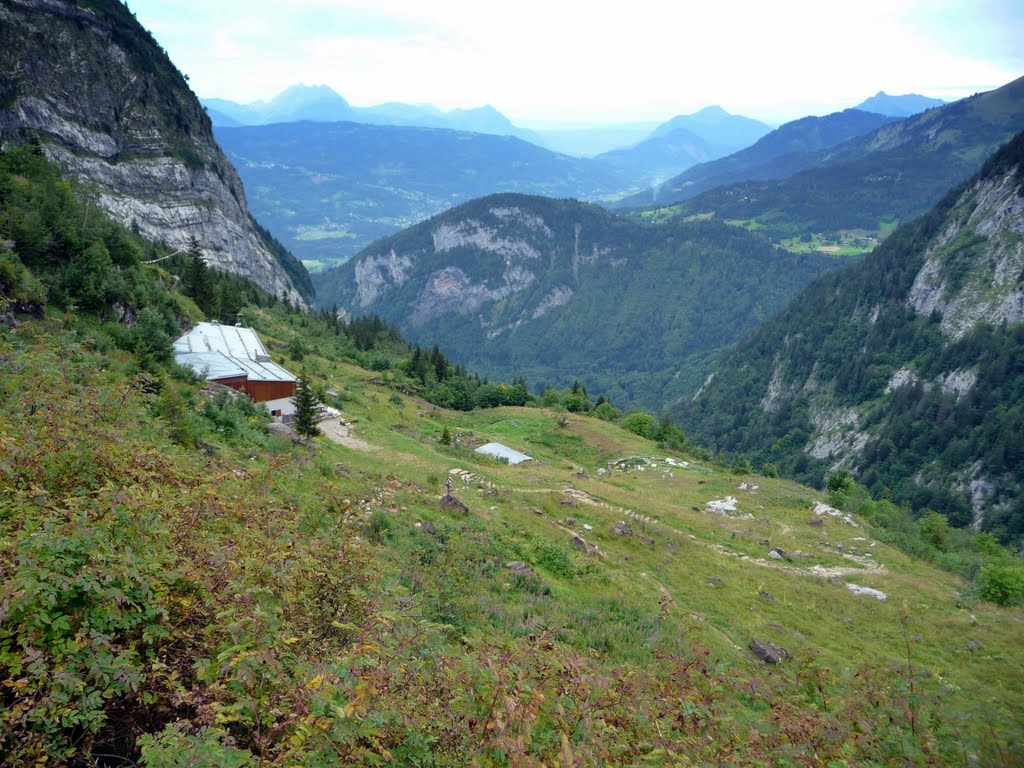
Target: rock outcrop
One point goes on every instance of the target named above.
(104, 101)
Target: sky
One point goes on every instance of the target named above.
(588, 61)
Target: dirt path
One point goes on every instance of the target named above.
(339, 432)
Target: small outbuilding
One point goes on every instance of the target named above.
(235, 357)
(499, 451)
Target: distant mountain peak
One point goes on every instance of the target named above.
(898, 106)
(711, 111)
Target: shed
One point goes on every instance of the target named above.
(499, 451)
(235, 357)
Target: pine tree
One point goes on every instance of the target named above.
(196, 281)
(306, 410)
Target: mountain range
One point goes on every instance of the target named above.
(903, 369)
(330, 189)
(684, 141)
(893, 173)
(320, 103)
(791, 147)
(555, 290)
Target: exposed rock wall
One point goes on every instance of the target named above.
(104, 101)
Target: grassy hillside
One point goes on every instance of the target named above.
(258, 602)
(182, 585)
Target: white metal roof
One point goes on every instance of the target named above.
(503, 452)
(221, 351)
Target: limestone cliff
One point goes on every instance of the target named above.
(86, 81)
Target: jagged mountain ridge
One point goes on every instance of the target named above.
(904, 368)
(105, 102)
(791, 147)
(321, 103)
(894, 173)
(555, 290)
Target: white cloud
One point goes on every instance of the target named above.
(647, 59)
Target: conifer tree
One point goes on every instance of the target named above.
(196, 281)
(305, 410)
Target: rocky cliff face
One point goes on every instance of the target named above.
(89, 84)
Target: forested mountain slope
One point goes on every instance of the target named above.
(789, 148)
(905, 369)
(555, 290)
(894, 173)
(330, 189)
(86, 81)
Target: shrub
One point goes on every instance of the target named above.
(1002, 584)
(643, 424)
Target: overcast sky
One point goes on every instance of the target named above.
(595, 61)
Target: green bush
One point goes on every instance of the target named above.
(643, 424)
(555, 559)
(1002, 584)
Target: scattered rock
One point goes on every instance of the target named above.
(769, 653)
(701, 482)
(722, 506)
(450, 502)
(835, 580)
(972, 645)
(490, 492)
(824, 509)
(519, 568)
(621, 528)
(588, 527)
(578, 543)
(428, 527)
(569, 521)
(581, 475)
(777, 627)
(777, 554)
(768, 597)
(817, 522)
(714, 581)
(868, 591)
(537, 511)
(645, 540)
(765, 542)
